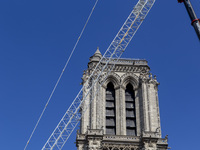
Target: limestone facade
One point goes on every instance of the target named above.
(124, 111)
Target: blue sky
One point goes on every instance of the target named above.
(36, 38)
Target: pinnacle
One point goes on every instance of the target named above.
(97, 51)
(97, 55)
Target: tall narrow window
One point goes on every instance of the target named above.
(110, 110)
(130, 110)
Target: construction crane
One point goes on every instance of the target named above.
(195, 21)
(72, 117)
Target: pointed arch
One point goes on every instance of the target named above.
(130, 78)
(113, 77)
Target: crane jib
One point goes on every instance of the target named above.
(72, 116)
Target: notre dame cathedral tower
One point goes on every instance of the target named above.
(124, 114)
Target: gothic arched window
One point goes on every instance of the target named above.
(130, 110)
(110, 110)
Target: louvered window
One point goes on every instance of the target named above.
(110, 110)
(130, 110)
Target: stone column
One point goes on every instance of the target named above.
(122, 111)
(137, 111)
(93, 107)
(104, 108)
(153, 107)
(86, 116)
(100, 108)
(145, 108)
(117, 110)
(158, 115)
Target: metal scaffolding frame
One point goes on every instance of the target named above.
(72, 117)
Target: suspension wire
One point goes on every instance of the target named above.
(61, 73)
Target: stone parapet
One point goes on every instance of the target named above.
(124, 61)
(119, 138)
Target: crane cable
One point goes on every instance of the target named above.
(61, 73)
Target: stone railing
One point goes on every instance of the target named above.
(95, 132)
(128, 61)
(121, 138)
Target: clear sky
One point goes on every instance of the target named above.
(37, 36)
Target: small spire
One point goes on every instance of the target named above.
(97, 52)
(97, 55)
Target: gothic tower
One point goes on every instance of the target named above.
(124, 113)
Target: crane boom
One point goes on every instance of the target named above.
(195, 21)
(72, 116)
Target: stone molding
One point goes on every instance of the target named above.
(120, 81)
(120, 68)
(113, 77)
(121, 138)
(130, 78)
(125, 71)
(119, 147)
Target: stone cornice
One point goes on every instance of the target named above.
(139, 66)
(120, 146)
(122, 65)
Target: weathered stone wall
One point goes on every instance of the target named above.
(135, 72)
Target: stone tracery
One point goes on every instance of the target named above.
(125, 72)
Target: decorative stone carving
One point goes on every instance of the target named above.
(130, 78)
(119, 147)
(147, 122)
(113, 77)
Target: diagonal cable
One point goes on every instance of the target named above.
(81, 102)
(61, 74)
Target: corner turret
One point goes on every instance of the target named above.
(97, 56)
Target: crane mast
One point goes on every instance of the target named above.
(72, 116)
(195, 21)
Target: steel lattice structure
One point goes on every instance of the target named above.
(72, 117)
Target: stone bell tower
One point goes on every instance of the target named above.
(124, 114)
